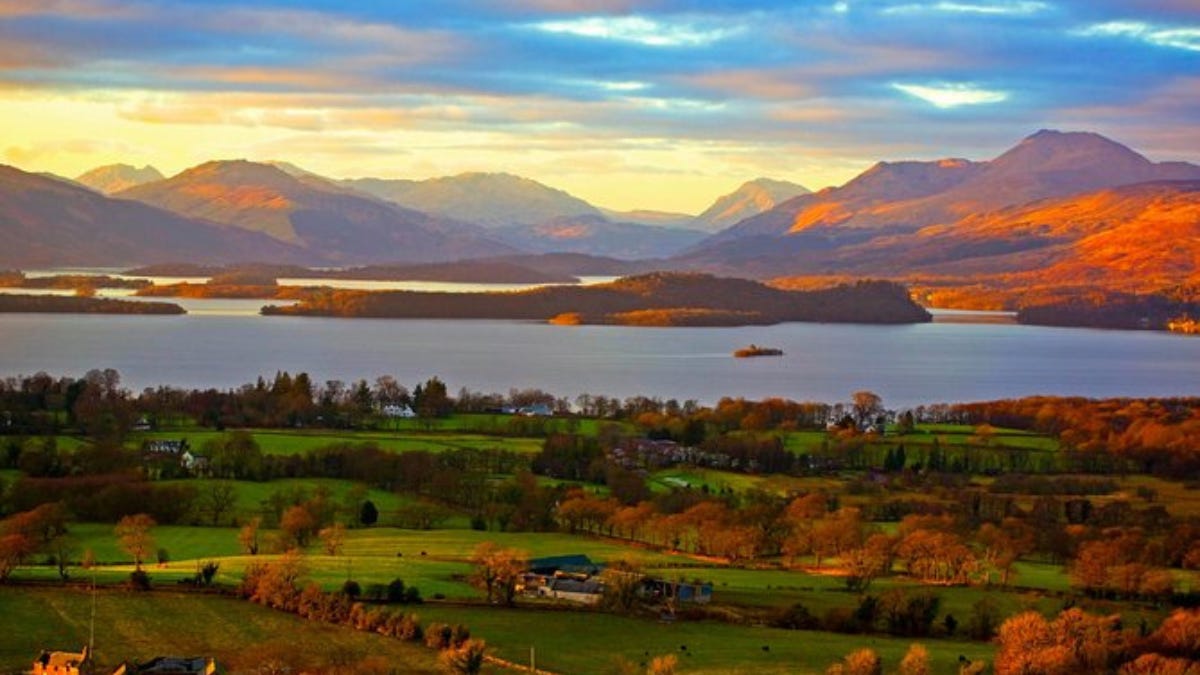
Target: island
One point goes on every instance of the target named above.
(66, 304)
(754, 350)
(654, 299)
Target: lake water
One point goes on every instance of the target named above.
(223, 343)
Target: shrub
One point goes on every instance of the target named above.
(438, 636)
(351, 589)
(466, 658)
(139, 580)
(796, 617)
(395, 591)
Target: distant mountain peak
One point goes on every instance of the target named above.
(750, 199)
(491, 200)
(113, 178)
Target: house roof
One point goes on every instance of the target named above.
(577, 562)
(574, 586)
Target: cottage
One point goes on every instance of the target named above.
(584, 591)
(62, 663)
(194, 463)
(398, 411)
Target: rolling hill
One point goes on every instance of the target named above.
(330, 224)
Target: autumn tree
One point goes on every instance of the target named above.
(1074, 642)
(867, 406)
(134, 534)
(498, 570)
(277, 584)
(915, 661)
(333, 538)
(859, 662)
(248, 536)
(14, 549)
(298, 525)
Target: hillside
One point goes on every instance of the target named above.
(703, 299)
(331, 225)
(487, 199)
(113, 178)
(46, 222)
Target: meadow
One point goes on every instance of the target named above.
(140, 626)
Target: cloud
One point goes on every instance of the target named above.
(947, 95)
(639, 30)
(1016, 8)
(78, 9)
(1185, 37)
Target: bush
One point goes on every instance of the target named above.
(139, 580)
(163, 556)
(439, 636)
(376, 592)
(466, 658)
(208, 570)
(351, 589)
(796, 617)
(395, 591)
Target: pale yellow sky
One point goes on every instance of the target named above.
(68, 132)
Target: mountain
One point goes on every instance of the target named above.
(487, 199)
(597, 236)
(751, 199)
(836, 229)
(649, 217)
(47, 222)
(113, 178)
(331, 223)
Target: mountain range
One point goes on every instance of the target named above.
(48, 221)
(1056, 202)
(1056, 208)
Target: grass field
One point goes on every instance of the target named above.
(251, 495)
(585, 642)
(141, 626)
(293, 442)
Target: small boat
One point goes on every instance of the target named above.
(755, 350)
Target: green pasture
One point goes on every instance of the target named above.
(140, 626)
(586, 642)
(251, 495)
(294, 442)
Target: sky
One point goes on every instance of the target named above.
(661, 104)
